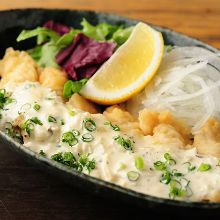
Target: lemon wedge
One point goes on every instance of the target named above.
(129, 69)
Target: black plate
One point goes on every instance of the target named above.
(11, 23)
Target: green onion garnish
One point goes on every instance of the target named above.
(36, 121)
(24, 108)
(139, 163)
(122, 166)
(13, 132)
(37, 107)
(204, 167)
(42, 153)
(87, 137)
(176, 173)
(51, 119)
(4, 98)
(190, 166)
(126, 143)
(166, 177)
(169, 159)
(133, 175)
(176, 189)
(89, 124)
(70, 160)
(159, 165)
(76, 132)
(28, 125)
(62, 122)
(69, 138)
(71, 113)
(114, 126)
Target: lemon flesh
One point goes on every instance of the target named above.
(129, 69)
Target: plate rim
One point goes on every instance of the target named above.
(126, 191)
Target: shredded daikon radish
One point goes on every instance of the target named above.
(187, 84)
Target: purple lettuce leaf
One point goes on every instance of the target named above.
(84, 56)
(61, 29)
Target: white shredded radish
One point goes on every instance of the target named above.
(187, 84)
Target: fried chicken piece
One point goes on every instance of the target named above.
(17, 66)
(207, 139)
(167, 134)
(126, 122)
(80, 102)
(53, 78)
(149, 120)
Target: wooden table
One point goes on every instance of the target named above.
(197, 18)
(27, 192)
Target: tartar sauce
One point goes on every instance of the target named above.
(183, 170)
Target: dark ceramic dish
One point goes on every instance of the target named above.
(11, 23)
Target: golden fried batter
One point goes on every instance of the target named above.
(207, 139)
(53, 78)
(17, 66)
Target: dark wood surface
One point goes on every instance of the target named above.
(28, 193)
(197, 18)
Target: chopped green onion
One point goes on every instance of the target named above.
(190, 166)
(176, 189)
(4, 98)
(126, 143)
(24, 108)
(28, 125)
(166, 177)
(57, 157)
(204, 167)
(37, 107)
(49, 98)
(13, 132)
(69, 138)
(71, 112)
(42, 153)
(139, 163)
(159, 165)
(114, 126)
(89, 124)
(176, 173)
(107, 123)
(169, 159)
(218, 164)
(85, 162)
(133, 175)
(51, 119)
(87, 137)
(36, 121)
(76, 132)
(122, 166)
(62, 122)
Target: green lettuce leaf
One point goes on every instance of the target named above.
(49, 43)
(71, 87)
(42, 34)
(67, 38)
(121, 35)
(100, 32)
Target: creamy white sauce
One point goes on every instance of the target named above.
(108, 154)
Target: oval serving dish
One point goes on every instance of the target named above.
(11, 23)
